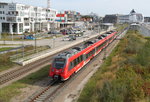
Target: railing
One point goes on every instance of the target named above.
(21, 54)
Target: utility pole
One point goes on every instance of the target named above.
(23, 47)
(35, 43)
(105, 49)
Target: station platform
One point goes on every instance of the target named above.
(59, 46)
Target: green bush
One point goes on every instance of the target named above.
(112, 92)
(143, 56)
(131, 68)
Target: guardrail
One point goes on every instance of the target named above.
(13, 49)
(22, 54)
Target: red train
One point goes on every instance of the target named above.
(70, 62)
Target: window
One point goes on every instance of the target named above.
(19, 19)
(3, 18)
(90, 53)
(1, 6)
(71, 66)
(59, 63)
(26, 24)
(75, 62)
(20, 27)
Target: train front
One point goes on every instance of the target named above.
(57, 70)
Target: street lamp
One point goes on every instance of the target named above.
(105, 49)
(23, 47)
(54, 37)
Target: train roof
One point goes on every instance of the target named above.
(77, 49)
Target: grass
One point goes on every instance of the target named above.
(28, 52)
(5, 48)
(97, 80)
(14, 89)
(6, 59)
(120, 27)
(124, 76)
(10, 44)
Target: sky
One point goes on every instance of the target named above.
(100, 7)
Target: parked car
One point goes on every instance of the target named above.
(54, 32)
(30, 37)
(72, 37)
(65, 31)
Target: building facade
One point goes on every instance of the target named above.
(67, 18)
(72, 16)
(110, 18)
(61, 17)
(133, 17)
(146, 19)
(19, 18)
(123, 18)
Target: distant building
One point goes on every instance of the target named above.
(123, 18)
(17, 18)
(110, 18)
(87, 18)
(61, 17)
(107, 26)
(146, 19)
(67, 18)
(72, 16)
(133, 17)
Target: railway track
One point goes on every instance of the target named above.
(22, 70)
(48, 93)
(14, 74)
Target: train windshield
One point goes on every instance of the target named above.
(59, 63)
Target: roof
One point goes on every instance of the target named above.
(133, 11)
(3, 3)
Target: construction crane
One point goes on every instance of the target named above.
(48, 3)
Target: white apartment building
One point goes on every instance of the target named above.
(19, 18)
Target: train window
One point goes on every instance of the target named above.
(81, 57)
(59, 63)
(75, 62)
(78, 60)
(71, 66)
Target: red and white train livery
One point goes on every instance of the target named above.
(70, 62)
